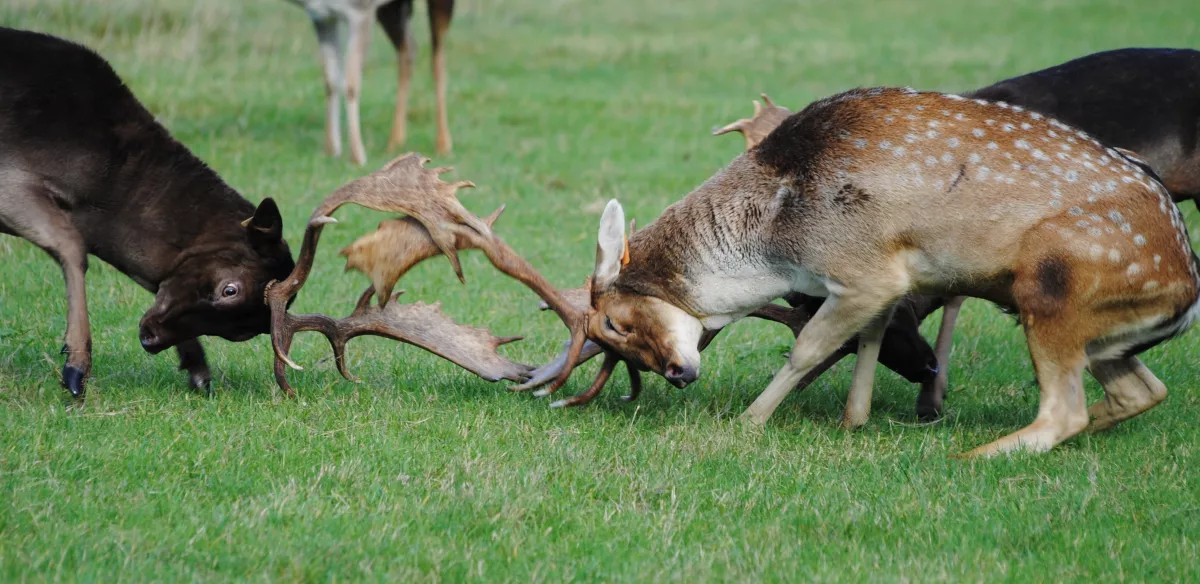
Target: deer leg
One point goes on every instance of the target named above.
(333, 47)
(191, 359)
(1062, 413)
(933, 393)
(440, 12)
(839, 317)
(858, 402)
(360, 33)
(394, 18)
(30, 212)
(1129, 389)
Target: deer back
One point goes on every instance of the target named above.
(951, 187)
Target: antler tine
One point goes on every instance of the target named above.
(418, 324)
(635, 383)
(795, 317)
(550, 371)
(767, 116)
(610, 362)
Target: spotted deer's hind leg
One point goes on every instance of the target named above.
(440, 12)
(1059, 364)
(1129, 389)
(1058, 325)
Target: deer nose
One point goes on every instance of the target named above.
(151, 342)
(681, 375)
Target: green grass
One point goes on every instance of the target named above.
(423, 472)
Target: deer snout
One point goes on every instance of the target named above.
(681, 374)
(152, 340)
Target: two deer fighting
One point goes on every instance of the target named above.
(827, 208)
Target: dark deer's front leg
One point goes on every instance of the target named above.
(191, 359)
(30, 212)
(933, 392)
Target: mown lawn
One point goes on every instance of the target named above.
(423, 472)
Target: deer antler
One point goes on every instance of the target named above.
(437, 224)
(756, 127)
(390, 251)
(403, 185)
(419, 324)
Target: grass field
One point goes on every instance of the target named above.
(423, 472)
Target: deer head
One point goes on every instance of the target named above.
(437, 224)
(217, 290)
(605, 327)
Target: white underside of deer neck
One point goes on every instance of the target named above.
(728, 296)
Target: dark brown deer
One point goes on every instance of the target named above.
(343, 30)
(1079, 240)
(84, 168)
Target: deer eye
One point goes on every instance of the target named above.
(609, 325)
(229, 291)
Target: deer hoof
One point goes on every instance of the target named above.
(201, 382)
(72, 379)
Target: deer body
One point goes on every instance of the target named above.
(85, 169)
(343, 30)
(1141, 99)
(870, 195)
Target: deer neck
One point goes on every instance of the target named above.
(170, 204)
(710, 254)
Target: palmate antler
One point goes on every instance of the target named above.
(437, 224)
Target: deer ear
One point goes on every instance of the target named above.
(611, 246)
(266, 223)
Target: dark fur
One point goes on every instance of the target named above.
(84, 164)
(1144, 100)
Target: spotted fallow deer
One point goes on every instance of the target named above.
(343, 29)
(1104, 94)
(1079, 240)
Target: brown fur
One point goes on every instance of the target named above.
(86, 169)
(1028, 192)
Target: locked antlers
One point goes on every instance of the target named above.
(403, 185)
(437, 224)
